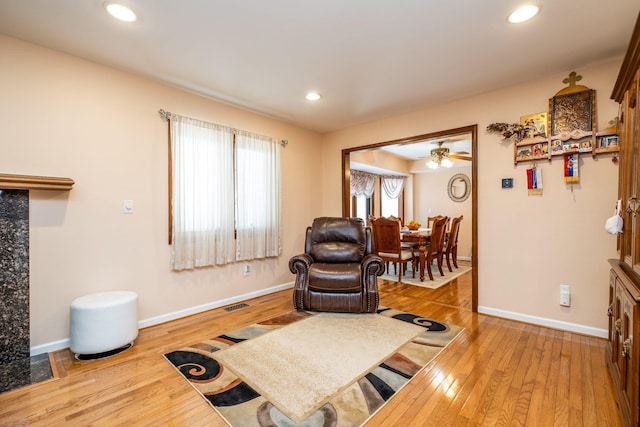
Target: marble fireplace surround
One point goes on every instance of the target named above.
(14, 270)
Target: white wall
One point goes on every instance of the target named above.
(63, 116)
(528, 245)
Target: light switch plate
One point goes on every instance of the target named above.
(127, 206)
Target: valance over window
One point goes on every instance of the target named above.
(392, 185)
(362, 183)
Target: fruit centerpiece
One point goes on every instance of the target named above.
(413, 225)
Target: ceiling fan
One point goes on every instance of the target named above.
(440, 156)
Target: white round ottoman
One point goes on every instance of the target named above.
(103, 322)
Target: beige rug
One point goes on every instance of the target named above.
(267, 361)
(310, 369)
(438, 281)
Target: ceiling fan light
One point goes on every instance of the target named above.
(432, 164)
(446, 163)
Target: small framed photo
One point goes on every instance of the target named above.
(556, 146)
(537, 123)
(524, 152)
(609, 141)
(537, 150)
(585, 146)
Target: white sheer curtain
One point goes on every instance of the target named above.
(202, 192)
(362, 183)
(392, 185)
(258, 196)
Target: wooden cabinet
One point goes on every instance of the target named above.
(626, 93)
(623, 350)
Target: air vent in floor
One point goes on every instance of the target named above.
(235, 307)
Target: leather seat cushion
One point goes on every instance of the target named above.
(336, 278)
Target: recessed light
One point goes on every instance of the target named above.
(120, 12)
(313, 96)
(523, 13)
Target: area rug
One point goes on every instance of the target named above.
(310, 369)
(437, 282)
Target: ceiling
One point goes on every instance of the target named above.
(369, 59)
(419, 153)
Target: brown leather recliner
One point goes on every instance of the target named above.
(338, 271)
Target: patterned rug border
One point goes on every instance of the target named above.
(240, 405)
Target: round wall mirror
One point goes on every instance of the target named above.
(459, 187)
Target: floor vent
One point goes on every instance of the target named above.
(235, 307)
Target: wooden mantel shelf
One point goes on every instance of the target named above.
(31, 182)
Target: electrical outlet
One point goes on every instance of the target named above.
(246, 270)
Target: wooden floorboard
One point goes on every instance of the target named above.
(496, 373)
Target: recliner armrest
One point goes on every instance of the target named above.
(300, 263)
(372, 264)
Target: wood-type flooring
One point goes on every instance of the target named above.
(496, 373)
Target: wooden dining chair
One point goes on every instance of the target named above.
(388, 246)
(451, 250)
(435, 251)
(431, 219)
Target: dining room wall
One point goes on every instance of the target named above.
(431, 198)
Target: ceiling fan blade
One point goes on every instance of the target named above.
(461, 152)
(459, 157)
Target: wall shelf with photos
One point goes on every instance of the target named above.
(568, 127)
(538, 148)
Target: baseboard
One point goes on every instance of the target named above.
(49, 347)
(59, 345)
(210, 306)
(549, 323)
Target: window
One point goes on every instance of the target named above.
(388, 206)
(362, 207)
(225, 194)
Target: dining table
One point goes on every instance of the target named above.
(421, 237)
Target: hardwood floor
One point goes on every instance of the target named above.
(497, 372)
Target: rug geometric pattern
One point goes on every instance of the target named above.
(242, 406)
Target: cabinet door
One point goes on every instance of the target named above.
(627, 367)
(629, 243)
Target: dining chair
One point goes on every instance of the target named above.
(387, 245)
(435, 249)
(405, 245)
(451, 250)
(430, 220)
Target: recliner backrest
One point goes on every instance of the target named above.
(337, 240)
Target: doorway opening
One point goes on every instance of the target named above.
(443, 139)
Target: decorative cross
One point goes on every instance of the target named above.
(572, 79)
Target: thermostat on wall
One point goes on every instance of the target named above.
(507, 182)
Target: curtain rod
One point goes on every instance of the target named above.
(166, 115)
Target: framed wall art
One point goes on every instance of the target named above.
(572, 112)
